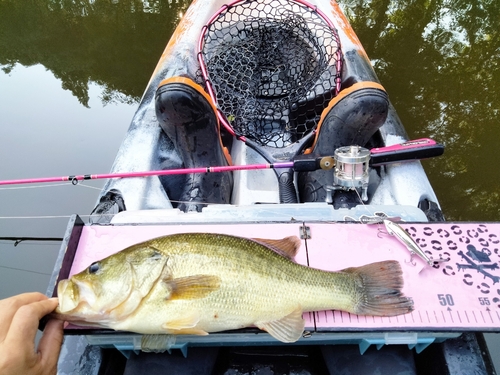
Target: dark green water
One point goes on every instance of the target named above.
(74, 71)
(439, 61)
(72, 74)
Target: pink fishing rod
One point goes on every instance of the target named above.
(411, 150)
(75, 178)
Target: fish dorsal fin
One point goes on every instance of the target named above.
(288, 246)
(191, 287)
(286, 329)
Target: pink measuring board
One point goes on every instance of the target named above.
(460, 294)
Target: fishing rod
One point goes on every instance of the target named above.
(18, 240)
(166, 172)
(410, 150)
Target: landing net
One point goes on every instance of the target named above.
(271, 67)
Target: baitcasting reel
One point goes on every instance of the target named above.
(351, 171)
(351, 165)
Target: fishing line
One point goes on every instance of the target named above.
(99, 215)
(25, 270)
(50, 185)
(33, 187)
(89, 187)
(172, 201)
(363, 204)
(39, 217)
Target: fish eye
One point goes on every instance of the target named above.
(94, 267)
(156, 255)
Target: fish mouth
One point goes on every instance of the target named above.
(75, 304)
(72, 293)
(68, 295)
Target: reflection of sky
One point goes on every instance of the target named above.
(46, 132)
(446, 22)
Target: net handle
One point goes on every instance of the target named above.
(222, 118)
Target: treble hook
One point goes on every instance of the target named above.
(382, 232)
(396, 230)
(376, 218)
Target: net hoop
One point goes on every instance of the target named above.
(257, 99)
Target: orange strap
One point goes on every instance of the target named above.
(189, 82)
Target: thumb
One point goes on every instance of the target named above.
(50, 344)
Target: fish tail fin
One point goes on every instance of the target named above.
(381, 289)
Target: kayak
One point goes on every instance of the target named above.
(263, 117)
(235, 89)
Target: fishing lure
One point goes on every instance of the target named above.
(397, 231)
(376, 218)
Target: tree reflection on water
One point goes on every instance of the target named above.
(115, 44)
(438, 60)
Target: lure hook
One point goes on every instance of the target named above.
(381, 232)
(396, 230)
(411, 261)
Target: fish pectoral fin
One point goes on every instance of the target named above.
(286, 329)
(189, 331)
(185, 326)
(188, 321)
(288, 246)
(192, 287)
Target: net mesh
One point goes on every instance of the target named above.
(273, 67)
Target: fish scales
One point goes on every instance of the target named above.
(247, 267)
(195, 283)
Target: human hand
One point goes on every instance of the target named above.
(19, 319)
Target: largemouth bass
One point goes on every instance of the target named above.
(196, 283)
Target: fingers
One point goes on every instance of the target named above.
(20, 316)
(49, 346)
(25, 322)
(10, 306)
